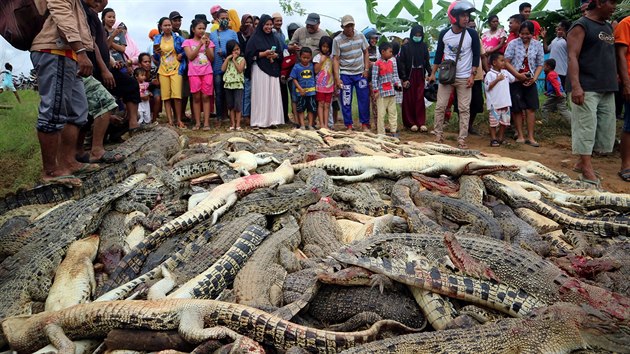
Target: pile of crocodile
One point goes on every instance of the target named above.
(314, 241)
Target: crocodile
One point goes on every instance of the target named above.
(74, 279)
(187, 171)
(561, 328)
(26, 276)
(319, 228)
(518, 232)
(222, 198)
(402, 198)
(162, 140)
(417, 271)
(515, 266)
(202, 246)
(460, 211)
(221, 274)
(196, 321)
(363, 168)
(259, 283)
(472, 190)
(517, 197)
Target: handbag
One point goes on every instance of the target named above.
(448, 67)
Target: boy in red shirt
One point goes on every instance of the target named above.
(556, 98)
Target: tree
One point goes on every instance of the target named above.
(292, 7)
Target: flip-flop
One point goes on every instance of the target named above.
(87, 168)
(109, 157)
(532, 143)
(67, 180)
(579, 170)
(624, 174)
(595, 183)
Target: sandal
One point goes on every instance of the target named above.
(87, 168)
(238, 128)
(181, 125)
(196, 127)
(579, 170)
(206, 128)
(532, 143)
(67, 180)
(231, 128)
(595, 183)
(624, 174)
(495, 143)
(109, 157)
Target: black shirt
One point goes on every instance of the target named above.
(597, 58)
(98, 32)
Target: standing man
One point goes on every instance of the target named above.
(220, 37)
(214, 12)
(58, 54)
(622, 42)
(176, 21)
(591, 50)
(557, 50)
(350, 67)
(466, 70)
(308, 36)
(277, 29)
(525, 9)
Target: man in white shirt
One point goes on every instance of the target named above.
(467, 66)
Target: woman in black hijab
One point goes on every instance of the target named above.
(264, 58)
(414, 63)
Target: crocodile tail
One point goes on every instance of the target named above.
(44, 194)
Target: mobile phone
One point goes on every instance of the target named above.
(528, 75)
(122, 26)
(273, 48)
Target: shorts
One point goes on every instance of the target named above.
(499, 116)
(61, 91)
(201, 83)
(234, 99)
(156, 91)
(294, 94)
(325, 97)
(8, 85)
(306, 103)
(171, 86)
(523, 97)
(126, 87)
(626, 118)
(593, 124)
(100, 101)
(144, 112)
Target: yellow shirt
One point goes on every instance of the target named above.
(168, 59)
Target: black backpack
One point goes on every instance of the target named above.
(20, 22)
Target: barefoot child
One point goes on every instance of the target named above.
(200, 52)
(325, 85)
(303, 77)
(144, 107)
(233, 75)
(7, 81)
(385, 83)
(498, 100)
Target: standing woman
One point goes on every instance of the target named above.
(167, 48)
(493, 39)
(524, 60)
(116, 40)
(414, 63)
(245, 32)
(264, 56)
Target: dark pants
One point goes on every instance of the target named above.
(413, 108)
(219, 96)
(284, 92)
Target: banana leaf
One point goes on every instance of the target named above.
(540, 6)
(500, 6)
(396, 10)
(370, 7)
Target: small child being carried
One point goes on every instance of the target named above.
(498, 100)
(144, 107)
(303, 76)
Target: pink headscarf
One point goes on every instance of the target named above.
(132, 51)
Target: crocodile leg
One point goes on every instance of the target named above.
(229, 202)
(191, 328)
(438, 311)
(369, 174)
(357, 321)
(59, 339)
(163, 286)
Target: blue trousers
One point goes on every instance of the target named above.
(219, 96)
(247, 98)
(363, 98)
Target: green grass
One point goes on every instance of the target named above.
(19, 148)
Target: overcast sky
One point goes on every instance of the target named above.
(141, 16)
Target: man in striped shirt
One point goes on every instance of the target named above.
(350, 66)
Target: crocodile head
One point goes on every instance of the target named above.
(481, 167)
(603, 331)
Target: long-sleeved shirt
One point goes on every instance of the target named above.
(553, 87)
(385, 77)
(66, 23)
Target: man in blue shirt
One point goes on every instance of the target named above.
(220, 37)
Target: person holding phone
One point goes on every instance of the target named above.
(220, 37)
(264, 57)
(524, 60)
(116, 40)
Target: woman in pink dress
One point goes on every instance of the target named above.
(494, 38)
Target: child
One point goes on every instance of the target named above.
(233, 75)
(385, 82)
(498, 100)
(7, 81)
(199, 50)
(144, 107)
(303, 77)
(325, 85)
(556, 98)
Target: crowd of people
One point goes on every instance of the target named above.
(247, 69)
